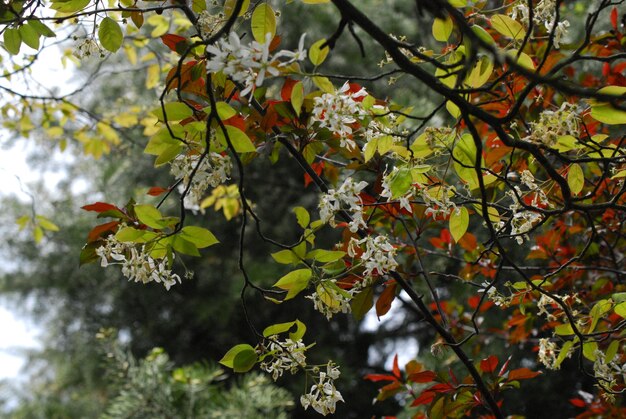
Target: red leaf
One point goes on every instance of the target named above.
(578, 402)
(614, 18)
(98, 230)
(422, 377)
(505, 366)
(317, 168)
(236, 121)
(171, 40)
(380, 377)
(522, 374)
(383, 304)
(425, 398)
(396, 368)
(489, 364)
(156, 191)
(285, 92)
(100, 207)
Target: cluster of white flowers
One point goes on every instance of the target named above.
(494, 296)
(331, 301)
(213, 170)
(404, 200)
(553, 124)
(544, 14)
(438, 201)
(548, 353)
(250, 64)
(338, 111)
(284, 356)
(378, 257)
(86, 48)
(345, 198)
(608, 371)
(522, 222)
(137, 264)
(323, 396)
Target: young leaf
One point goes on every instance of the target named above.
(508, 27)
(149, 215)
(12, 40)
(175, 111)
(459, 221)
(263, 22)
(201, 237)
(297, 97)
(576, 178)
(239, 139)
(30, 36)
(294, 282)
(241, 358)
(110, 34)
(442, 29)
(317, 54)
(303, 217)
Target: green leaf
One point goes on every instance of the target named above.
(459, 221)
(69, 6)
(168, 154)
(370, 149)
(620, 310)
(597, 311)
(508, 27)
(184, 246)
(129, 234)
(481, 33)
(480, 73)
(611, 351)
(175, 111)
(317, 54)
(46, 224)
(362, 303)
(605, 112)
(22, 221)
(42, 28)
(241, 358)
(589, 350)
(224, 110)
(263, 22)
(564, 330)
(303, 217)
(30, 36)
(150, 216)
(199, 236)
(563, 353)
(110, 34)
(401, 182)
(12, 40)
(575, 178)
(325, 256)
(294, 282)
(277, 329)
(286, 257)
(239, 139)
(464, 153)
(442, 29)
(297, 97)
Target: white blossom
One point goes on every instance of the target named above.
(323, 396)
(213, 170)
(86, 48)
(544, 14)
(249, 64)
(284, 356)
(347, 198)
(338, 111)
(137, 264)
(553, 124)
(548, 353)
(522, 222)
(378, 256)
(329, 301)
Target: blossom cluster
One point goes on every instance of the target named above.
(323, 396)
(86, 48)
(329, 301)
(345, 198)
(549, 353)
(544, 13)
(553, 124)
(137, 264)
(249, 64)
(338, 111)
(287, 355)
(212, 170)
(207, 23)
(378, 256)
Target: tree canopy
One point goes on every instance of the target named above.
(471, 174)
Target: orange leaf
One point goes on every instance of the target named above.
(422, 377)
(522, 374)
(98, 230)
(100, 207)
(156, 191)
(383, 304)
(489, 364)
